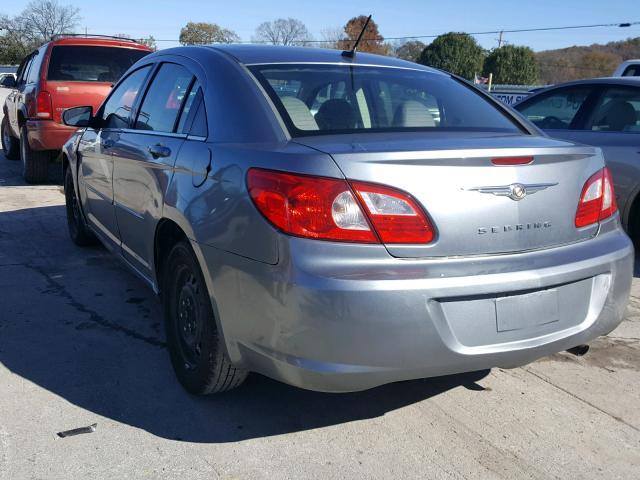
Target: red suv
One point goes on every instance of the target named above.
(63, 73)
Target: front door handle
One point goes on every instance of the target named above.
(159, 151)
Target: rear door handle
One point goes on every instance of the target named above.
(159, 151)
(107, 143)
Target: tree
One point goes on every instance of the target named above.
(371, 42)
(410, 50)
(202, 33)
(457, 53)
(150, 42)
(600, 64)
(283, 31)
(512, 65)
(331, 37)
(42, 19)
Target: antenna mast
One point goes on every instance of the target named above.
(351, 53)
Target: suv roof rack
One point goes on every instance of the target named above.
(84, 35)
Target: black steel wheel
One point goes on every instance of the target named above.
(197, 351)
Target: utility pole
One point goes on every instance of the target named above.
(500, 39)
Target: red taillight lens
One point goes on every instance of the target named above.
(44, 109)
(598, 199)
(328, 209)
(396, 216)
(313, 207)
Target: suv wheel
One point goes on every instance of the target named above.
(78, 229)
(35, 164)
(197, 351)
(10, 145)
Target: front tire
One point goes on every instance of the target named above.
(196, 347)
(35, 163)
(10, 144)
(78, 229)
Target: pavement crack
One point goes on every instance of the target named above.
(60, 290)
(582, 400)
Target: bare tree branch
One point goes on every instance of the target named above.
(283, 31)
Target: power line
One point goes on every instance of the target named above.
(491, 32)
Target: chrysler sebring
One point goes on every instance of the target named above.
(340, 221)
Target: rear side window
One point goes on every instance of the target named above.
(555, 110)
(618, 110)
(162, 102)
(325, 99)
(118, 108)
(34, 69)
(91, 64)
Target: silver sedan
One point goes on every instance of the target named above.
(338, 222)
(604, 112)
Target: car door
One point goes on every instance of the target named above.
(95, 158)
(144, 157)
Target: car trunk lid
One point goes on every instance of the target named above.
(466, 195)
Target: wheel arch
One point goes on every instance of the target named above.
(167, 234)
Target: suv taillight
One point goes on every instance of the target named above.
(332, 209)
(44, 108)
(598, 199)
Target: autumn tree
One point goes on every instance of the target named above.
(371, 42)
(457, 53)
(283, 31)
(600, 64)
(202, 33)
(512, 65)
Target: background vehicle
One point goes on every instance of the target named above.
(367, 243)
(7, 80)
(63, 73)
(630, 68)
(603, 112)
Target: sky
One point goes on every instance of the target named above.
(396, 18)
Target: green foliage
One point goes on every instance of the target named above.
(512, 65)
(457, 53)
(202, 33)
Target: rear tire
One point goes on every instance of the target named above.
(196, 347)
(35, 163)
(79, 232)
(10, 144)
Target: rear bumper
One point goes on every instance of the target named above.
(47, 134)
(331, 317)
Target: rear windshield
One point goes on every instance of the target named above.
(327, 99)
(91, 64)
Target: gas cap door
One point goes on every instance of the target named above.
(200, 166)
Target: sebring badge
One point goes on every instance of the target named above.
(515, 191)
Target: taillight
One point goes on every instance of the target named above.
(598, 199)
(396, 217)
(331, 209)
(44, 108)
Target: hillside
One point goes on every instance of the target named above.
(584, 62)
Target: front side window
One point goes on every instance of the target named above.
(323, 99)
(117, 110)
(617, 110)
(632, 71)
(73, 63)
(555, 110)
(162, 102)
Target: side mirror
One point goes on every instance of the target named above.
(8, 82)
(77, 116)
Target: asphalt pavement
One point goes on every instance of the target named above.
(82, 343)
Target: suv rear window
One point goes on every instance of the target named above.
(91, 64)
(318, 99)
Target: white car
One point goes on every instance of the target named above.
(630, 68)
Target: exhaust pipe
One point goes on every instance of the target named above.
(579, 351)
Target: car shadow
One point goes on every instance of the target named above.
(78, 324)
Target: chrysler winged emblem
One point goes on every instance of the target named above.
(515, 191)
